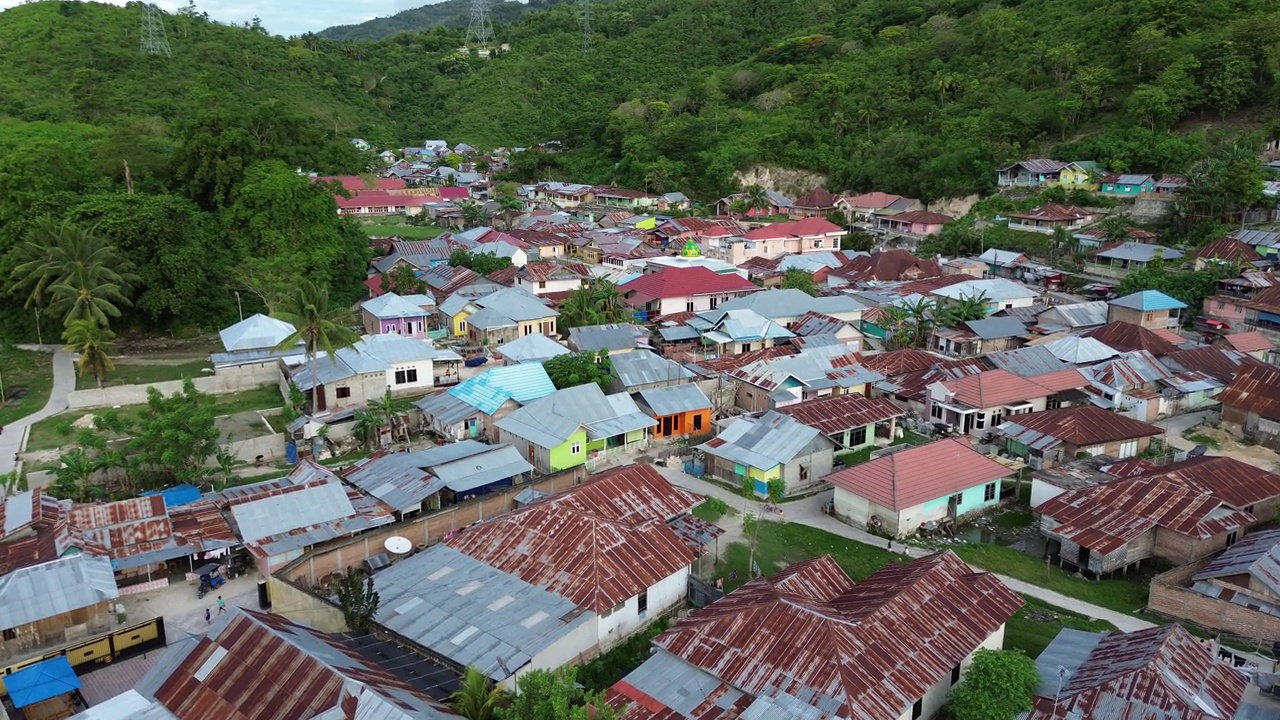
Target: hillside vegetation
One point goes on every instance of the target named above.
(450, 14)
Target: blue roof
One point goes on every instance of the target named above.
(487, 391)
(42, 681)
(1148, 300)
(177, 496)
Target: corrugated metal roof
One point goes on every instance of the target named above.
(404, 480)
(1068, 651)
(788, 638)
(738, 326)
(1258, 554)
(256, 332)
(1215, 362)
(900, 362)
(1139, 252)
(552, 420)
(1078, 315)
(445, 409)
(996, 327)
(1255, 389)
(490, 389)
(1079, 350)
(843, 412)
(1081, 425)
(993, 289)
(494, 464)
(599, 544)
(1248, 342)
(391, 305)
(294, 508)
(1026, 361)
(993, 388)
(534, 347)
(774, 439)
(679, 332)
(473, 614)
(517, 304)
(775, 304)
(919, 474)
(674, 399)
(1147, 301)
(1161, 673)
(642, 367)
(1004, 258)
(1128, 370)
(595, 338)
(34, 593)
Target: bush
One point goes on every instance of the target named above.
(64, 428)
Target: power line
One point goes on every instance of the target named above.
(480, 30)
(154, 39)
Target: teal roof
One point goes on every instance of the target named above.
(1147, 301)
(487, 391)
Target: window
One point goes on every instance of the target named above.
(697, 422)
(10, 634)
(955, 674)
(613, 609)
(917, 710)
(1221, 304)
(1231, 538)
(407, 376)
(956, 499)
(462, 326)
(817, 243)
(1128, 449)
(714, 302)
(575, 448)
(642, 603)
(542, 285)
(988, 494)
(935, 411)
(746, 347)
(342, 392)
(858, 436)
(980, 420)
(688, 305)
(1249, 509)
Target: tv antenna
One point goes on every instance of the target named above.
(586, 26)
(154, 39)
(480, 31)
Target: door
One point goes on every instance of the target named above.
(1084, 558)
(666, 426)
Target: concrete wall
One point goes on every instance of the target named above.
(936, 696)
(270, 447)
(220, 384)
(1171, 596)
(301, 606)
(662, 596)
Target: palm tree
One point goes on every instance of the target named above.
(388, 411)
(921, 313)
(317, 326)
(477, 698)
(91, 341)
(578, 310)
(895, 323)
(1061, 240)
(739, 207)
(607, 301)
(757, 198)
(76, 272)
(473, 214)
(365, 428)
(75, 477)
(945, 82)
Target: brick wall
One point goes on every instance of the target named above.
(1180, 549)
(1171, 596)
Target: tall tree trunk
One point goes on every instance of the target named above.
(315, 385)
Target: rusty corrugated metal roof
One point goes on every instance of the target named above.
(867, 650)
(125, 527)
(1255, 389)
(1126, 337)
(900, 362)
(994, 388)
(1232, 481)
(1084, 425)
(843, 412)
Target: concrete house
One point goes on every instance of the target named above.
(786, 307)
(546, 276)
(782, 666)
(851, 421)
(977, 404)
(1237, 592)
(1150, 309)
(353, 376)
(913, 222)
(673, 290)
(899, 492)
(47, 606)
(1048, 218)
(1118, 260)
(469, 409)
(1036, 172)
(998, 293)
(770, 448)
(1052, 437)
(574, 426)
(733, 332)
(1129, 383)
(392, 314)
(506, 315)
(617, 339)
(680, 410)
(250, 349)
(410, 482)
(1127, 185)
(975, 338)
(768, 384)
(643, 370)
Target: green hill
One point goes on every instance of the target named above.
(449, 14)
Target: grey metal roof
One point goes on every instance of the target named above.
(276, 514)
(445, 408)
(327, 369)
(456, 303)
(534, 347)
(391, 305)
(1257, 237)
(392, 348)
(643, 367)
(1139, 252)
(1078, 350)
(493, 464)
(473, 614)
(606, 337)
(772, 440)
(775, 304)
(1077, 315)
(491, 318)
(677, 684)
(738, 326)
(1068, 650)
(678, 332)
(552, 420)
(996, 256)
(1257, 554)
(675, 399)
(34, 593)
(996, 327)
(516, 303)
(404, 480)
(1026, 362)
(256, 332)
(993, 289)
(1033, 439)
(1133, 179)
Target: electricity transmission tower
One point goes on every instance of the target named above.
(480, 31)
(586, 26)
(154, 39)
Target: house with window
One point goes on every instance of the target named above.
(733, 332)
(814, 325)
(546, 276)
(623, 198)
(1129, 383)
(534, 348)
(771, 448)
(1251, 404)
(1071, 316)
(617, 339)
(410, 482)
(505, 315)
(1052, 437)
(680, 410)
(917, 485)
(942, 613)
(996, 293)
(1254, 344)
(975, 338)
(862, 207)
(470, 408)
(1127, 185)
(1048, 218)
(775, 204)
(50, 605)
(1150, 309)
(1226, 250)
(1117, 261)
(610, 545)
(1237, 592)
(817, 203)
(1001, 263)
(394, 314)
(1181, 513)
(894, 265)
(692, 289)
(644, 369)
(575, 426)
(1036, 172)
(852, 421)
(977, 404)
(768, 384)
(1128, 337)
(913, 222)
(1261, 312)
(353, 376)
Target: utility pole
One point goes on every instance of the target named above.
(154, 39)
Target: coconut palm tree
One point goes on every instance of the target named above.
(473, 214)
(365, 428)
(318, 326)
(388, 411)
(477, 698)
(757, 198)
(74, 477)
(607, 301)
(72, 270)
(921, 315)
(739, 207)
(91, 341)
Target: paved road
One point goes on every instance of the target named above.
(809, 512)
(13, 439)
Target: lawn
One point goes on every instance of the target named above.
(781, 544)
(408, 232)
(712, 509)
(1202, 439)
(1033, 627)
(135, 374)
(24, 369)
(1126, 595)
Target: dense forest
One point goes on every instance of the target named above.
(921, 98)
(450, 14)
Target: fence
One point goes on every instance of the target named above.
(137, 394)
(702, 593)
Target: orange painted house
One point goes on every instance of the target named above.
(679, 409)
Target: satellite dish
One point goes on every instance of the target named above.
(397, 545)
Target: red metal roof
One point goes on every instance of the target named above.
(124, 528)
(1255, 389)
(900, 362)
(908, 478)
(1124, 337)
(1230, 249)
(994, 388)
(872, 201)
(1085, 425)
(729, 363)
(874, 647)
(535, 238)
(1062, 380)
(889, 265)
(836, 414)
(685, 282)
(921, 217)
(549, 270)
(915, 385)
(1215, 362)
(1248, 342)
(1161, 672)
(1054, 213)
(597, 545)
(818, 198)
(1232, 481)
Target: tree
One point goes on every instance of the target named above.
(484, 263)
(955, 311)
(366, 428)
(73, 271)
(596, 303)
(473, 214)
(389, 411)
(403, 280)
(998, 685)
(357, 598)
(738, 207)
(90, 341)
(858, 241)
(477, 698)
(175, 435)
(74, 477)
(777, 490)
(796, 279)
(579, 368)
(318, 326)
(554, 695)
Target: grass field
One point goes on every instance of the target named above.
(132, 374)
(1033, 627)
(408, 232)
(24, 369)
(780, 544)
(712, 509)
(1125, 595)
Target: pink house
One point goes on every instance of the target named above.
(914, 222)
(775, 240)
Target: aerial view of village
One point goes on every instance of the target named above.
(639, 360)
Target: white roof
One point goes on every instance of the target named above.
(995, 290)
(256, 332)
(391, 305)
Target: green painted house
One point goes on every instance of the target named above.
(575, 426)
(1127, 185)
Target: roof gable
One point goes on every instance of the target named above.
(916, 475)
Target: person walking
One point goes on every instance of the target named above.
(222, 605)
(207, 617)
